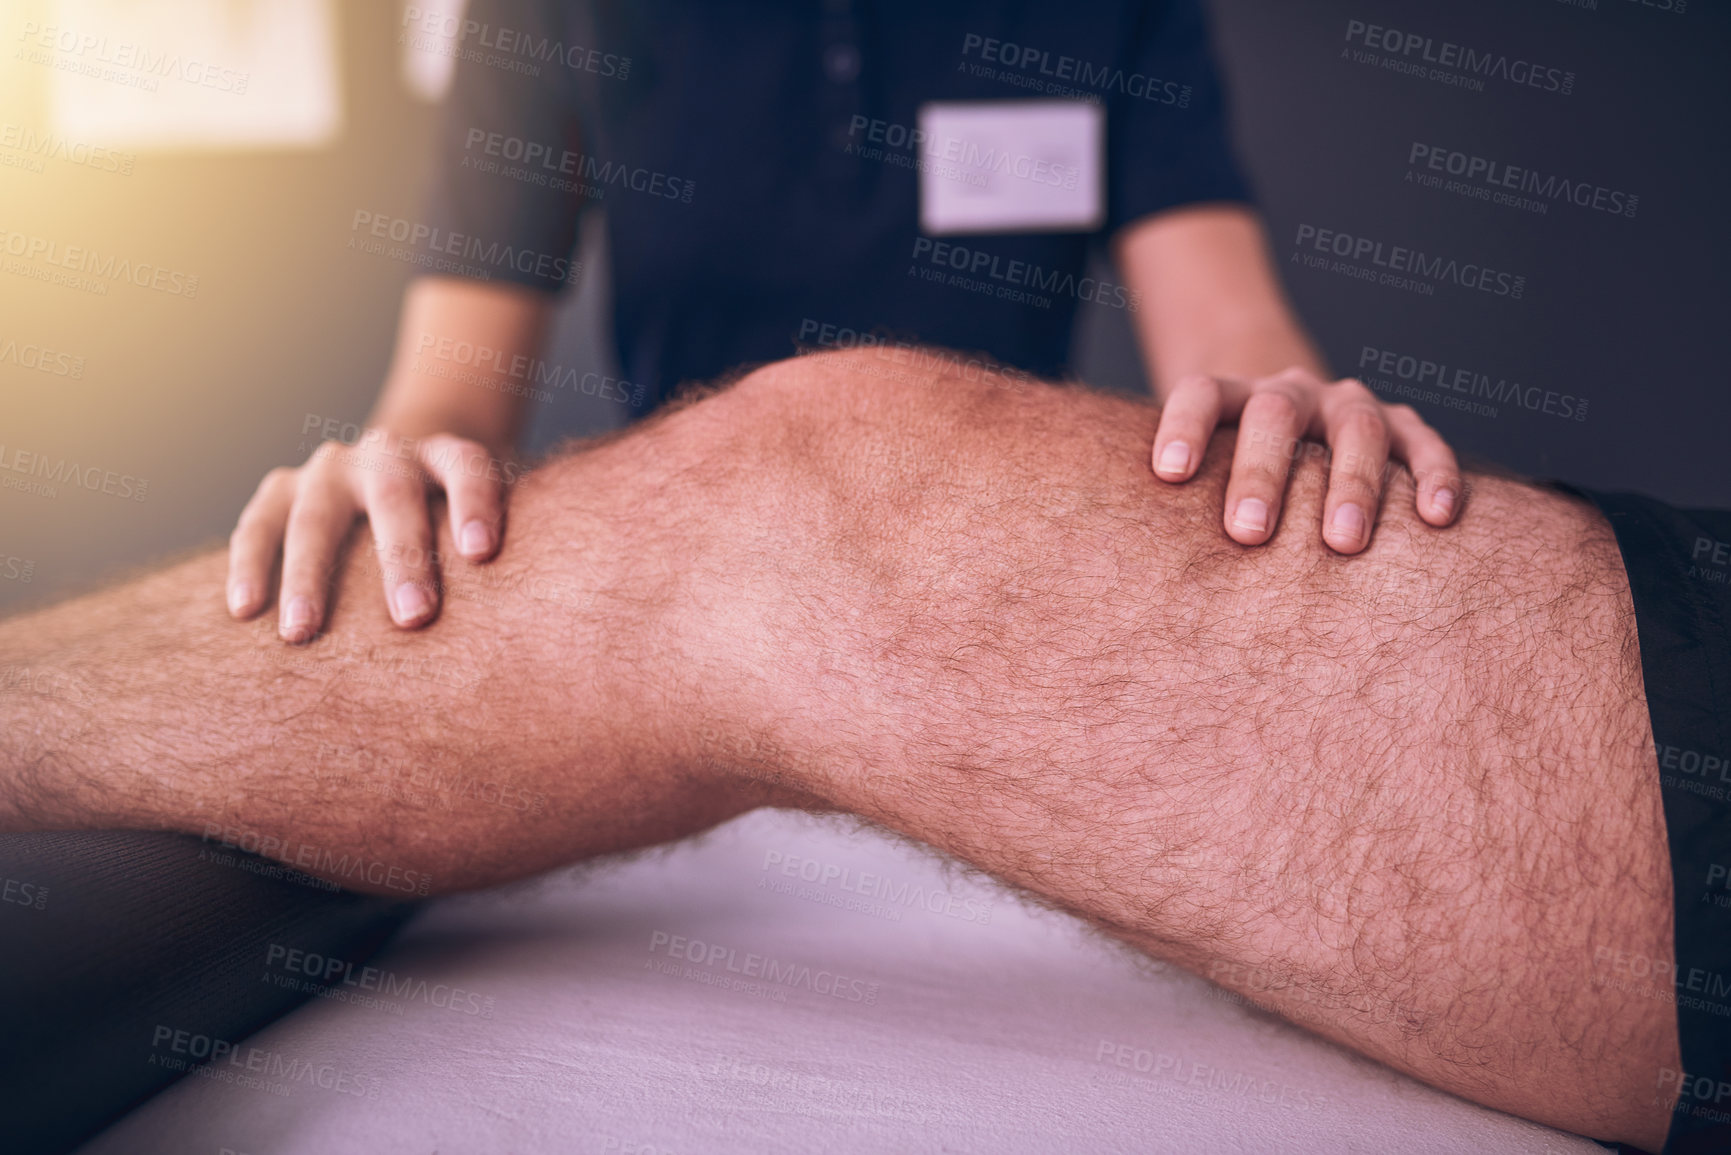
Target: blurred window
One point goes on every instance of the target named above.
(191, 74)
(430, 33)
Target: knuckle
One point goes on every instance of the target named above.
(486, 492)
(475, 499)
(309, 521)
(450, 443)
(319, 473)
(466, 477)
(404, 558)
(410, 539)
(1439, 472)
(1296, 377)
(329, 459)
(1274, 405)
(395, 491)
(302, 537)
(248, 526)
(436, 446)
(1175, 422)
(1261, 473)
(1357, 466)
(300, 572)
(1362, 421)
(1258, 444)
(1201, 386)
(303, 581)
(1353, 485)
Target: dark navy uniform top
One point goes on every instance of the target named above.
(753, 159)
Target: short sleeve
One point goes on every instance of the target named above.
(1167, 137)
(494, 203)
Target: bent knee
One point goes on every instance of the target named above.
(867, 382)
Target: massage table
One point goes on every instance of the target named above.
(786, 983)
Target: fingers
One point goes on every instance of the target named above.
(1187, 421)
(1358, 437)
(1432, 462)
(310, 511)
(323, 511)
(252, 547)
(474, 489)
(1274, 418)
(1274, 413)
(396, 500)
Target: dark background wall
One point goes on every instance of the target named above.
(201, 396)
(1628, 313)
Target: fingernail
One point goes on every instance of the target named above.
(475, 538)
(297, 617)
(1175, 458)
(412, 602)
(1348, 524)
(239, 598)
(1251, 515)
(1444, 501)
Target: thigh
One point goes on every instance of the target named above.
(1403, 797)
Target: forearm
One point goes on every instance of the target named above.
(1244, 348)
(463, 360)
(1209, 301)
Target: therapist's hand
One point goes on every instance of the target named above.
(307, 513)
(1275, 414)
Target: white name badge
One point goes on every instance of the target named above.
(1003, 166)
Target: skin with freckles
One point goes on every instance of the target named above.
(1415, 785)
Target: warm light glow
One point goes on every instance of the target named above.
(191, 74)
(430, 58)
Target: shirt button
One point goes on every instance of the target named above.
(841, 62)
